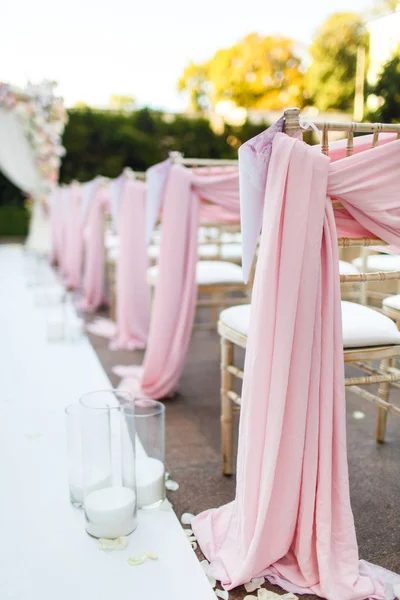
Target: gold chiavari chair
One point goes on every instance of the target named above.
(219, 280)
(368, 335)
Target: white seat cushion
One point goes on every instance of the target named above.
(362, 326)
(237, 318)
(111, 240)
(380, 262)
(209, 272)
(226, 251)
(153, 251)
(346, 268)
(392, 302)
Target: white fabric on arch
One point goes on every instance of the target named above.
(17, 160)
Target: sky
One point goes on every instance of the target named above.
(98, 48)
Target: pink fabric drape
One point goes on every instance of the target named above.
(74, 239)
(176, 290)
(291, 519)
(55, 218)
(212, 213)
(93, 274)
(132, 289)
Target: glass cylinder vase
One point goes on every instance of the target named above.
(150, 452)
(108, 458)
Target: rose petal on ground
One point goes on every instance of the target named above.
(172, 485)
(188, 532)
(358, 414)
(263, 594)
(254, 584)
(187, 518)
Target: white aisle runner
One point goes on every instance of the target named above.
(45, 553)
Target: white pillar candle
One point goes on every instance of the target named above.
(150, 482)
(110, 512)
(100, 481)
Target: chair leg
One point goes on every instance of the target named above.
(383, 393)
(226, 407)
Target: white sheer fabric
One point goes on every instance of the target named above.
(17, 160)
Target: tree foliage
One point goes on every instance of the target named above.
(388, 88)
(262, 72)
(330, 79)
(105, 142)
(384, 7)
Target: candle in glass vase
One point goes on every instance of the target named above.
(110, 512)
(150, 482)
(75, 329)
(76, 488)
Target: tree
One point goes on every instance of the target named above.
(257, 72)
(330, 80)
(388, 89)
(122, 103)
(384, 7)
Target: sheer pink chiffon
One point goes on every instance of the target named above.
(132, 289)
(291, 519)
(176, 289)
(73, 239)
(93, 273)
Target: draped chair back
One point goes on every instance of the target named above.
(219, 232)
(293, 128)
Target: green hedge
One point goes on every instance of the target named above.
(14, 221)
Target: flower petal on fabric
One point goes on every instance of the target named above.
(119, 544)
(135, 561)
(152, 556)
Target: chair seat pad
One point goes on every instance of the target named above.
(153, 251)
(379, 262)
(392, 302)
(362, 326)
(111, 240)
(225, 251)
(113, 254)
(346, 268)
(208, 272)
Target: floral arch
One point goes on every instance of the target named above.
(32, 122)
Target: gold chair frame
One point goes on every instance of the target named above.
(386, 375)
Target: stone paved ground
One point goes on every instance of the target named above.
(193, 455)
